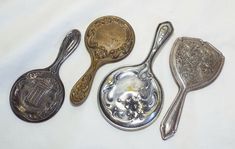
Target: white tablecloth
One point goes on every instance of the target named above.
(30, 36)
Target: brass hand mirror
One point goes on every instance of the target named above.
(108, 39)
(38, 94)
(194, 65)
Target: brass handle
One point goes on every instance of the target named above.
(81, 89)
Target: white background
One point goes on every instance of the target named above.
(31, 32)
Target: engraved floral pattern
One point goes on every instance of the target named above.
(196, 61)
(82, 89)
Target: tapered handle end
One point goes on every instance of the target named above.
(171, 120)
(77, 97)
(166, 131)
(164, 31)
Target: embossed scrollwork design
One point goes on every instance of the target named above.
(108, 39)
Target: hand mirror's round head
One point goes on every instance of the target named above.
(130, 98)
(36, 96)
(109, 39)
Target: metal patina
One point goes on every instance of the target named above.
(108, 39)
(194, 65)
(38, 94)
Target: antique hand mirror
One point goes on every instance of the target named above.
(108, 39)
(38, 94)
(130, 98)
(194, 65)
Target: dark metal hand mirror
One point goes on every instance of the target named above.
(108, 39)
(38, 94)
(194, 65)
(130, 98)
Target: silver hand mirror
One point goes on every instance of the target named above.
(38, 94)
(194, 65)
(130, 98)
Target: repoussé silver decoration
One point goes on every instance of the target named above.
(130, 98)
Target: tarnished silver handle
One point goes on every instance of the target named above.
(171, 120)
(69, 44)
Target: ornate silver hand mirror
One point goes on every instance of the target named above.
(130, 98)
(38, 94)
(194, 65)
